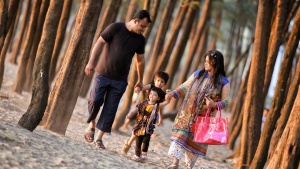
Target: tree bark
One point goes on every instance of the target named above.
(40, 92)
(166, 50)
(16, 50)
(278, 99)
(252, 106)
(180, 47)
(159, 40)
(285, 112)
(62, 26)
(66, 89)
(287, 151)
(37, 37)
(275, 42)
(153, 14)
(21, 76)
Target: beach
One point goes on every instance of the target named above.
(42, 148)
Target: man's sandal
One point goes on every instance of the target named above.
(99, 144)
(89, 135)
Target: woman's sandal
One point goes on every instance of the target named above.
(99, 144)
(89, 135)
(172, 166)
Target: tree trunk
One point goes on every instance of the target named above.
(120, 117)
(287, 151)
(60, 37)
(16, 50)
(131, 10)
(109, 17)
(180, 47)
(37, 37)
(252, 106)
(278, 99)
(19, 83)
(159, 40)
(8, 12)
(213, 40)
(190, 56)
(275, 42)
(153, 14)
(229, 45)
(167, 49)
(285, 112)
(16, 25)
(66, 89)
(40, 92)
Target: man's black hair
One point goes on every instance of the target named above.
(141, 15)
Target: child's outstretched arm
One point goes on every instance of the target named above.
(167, 101)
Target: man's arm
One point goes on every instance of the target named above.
(90, 67)
(140, 63)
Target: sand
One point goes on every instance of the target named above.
(42, 148)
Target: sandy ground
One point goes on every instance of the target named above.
(20, 148)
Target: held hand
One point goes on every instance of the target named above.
(89, 70)
(209, 102)
(138, 85)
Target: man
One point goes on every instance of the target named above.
(122, 41)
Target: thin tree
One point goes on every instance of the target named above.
(279, 95)
(40, 92)
(37, 37)
(22, 31)
(180, 47)
(159, 40)
(287, 151)
(63, 97)
(19, 83)
(275, 41)
(285, 112)
(62, 26)
(252, 106)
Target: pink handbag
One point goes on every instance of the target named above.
(211, 130)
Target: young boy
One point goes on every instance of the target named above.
(160, 80)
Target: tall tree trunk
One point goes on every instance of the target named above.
(66, 89)
(129, 90)
(60, 37)
(8, 15)
(180, 47)
(166, 50)
(275, 42)
(287, 151)
(37, 37)
(188, 62)
(109, 16)
(16, 50)
(131, 10)
(229, 45)
(16, 25)
(285, 112)
(213, 40)
(153, 14)
(159, 40)
(278, 99)
(8, 12)
(19, 83)
(252, 106)
(39, 99)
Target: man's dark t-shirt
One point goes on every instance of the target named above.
(119, 51)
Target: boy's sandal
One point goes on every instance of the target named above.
(89, 135)
(172, 166)
(99, 144)
(126, 148)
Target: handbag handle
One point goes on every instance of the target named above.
(219, 110)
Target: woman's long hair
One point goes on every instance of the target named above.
(217, 61)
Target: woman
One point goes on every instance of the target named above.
(204, 89)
